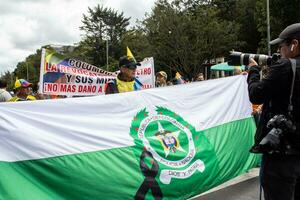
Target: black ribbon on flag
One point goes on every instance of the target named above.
(149, 183)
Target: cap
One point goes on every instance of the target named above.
(128, 62)
(288, 33)
(162, 73)
(22, 83)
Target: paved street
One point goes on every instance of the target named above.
(244, 187)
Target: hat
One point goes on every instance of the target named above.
(289, 32)
(22, 83)
(162, 73)
(128, 62)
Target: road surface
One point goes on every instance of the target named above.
(244, 187)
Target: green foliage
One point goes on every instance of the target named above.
(137, 41)
(181, 35)
(242, 14)
(282, 14)
(261, 24)
(28, 69)
(185, 34)
(8, 78)
(102, 25)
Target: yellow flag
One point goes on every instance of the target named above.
(177, 76)
(129, 54)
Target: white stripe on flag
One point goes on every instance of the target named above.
(41, 129)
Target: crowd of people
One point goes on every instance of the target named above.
(22, 91)
(274, 95)
(124, 82)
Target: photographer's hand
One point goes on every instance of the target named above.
(252, 62)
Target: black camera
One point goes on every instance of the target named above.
(238, 58)
(279, 125)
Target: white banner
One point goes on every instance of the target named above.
(146, 74)
(67, 76)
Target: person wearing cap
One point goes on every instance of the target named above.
(22, 91)
(125, 81)
(280, 168)
(161, 79)
(4, 95)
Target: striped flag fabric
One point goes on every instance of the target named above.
(163, 143)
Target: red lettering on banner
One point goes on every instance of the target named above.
(63, 69)
(137, 72)
(75, 71)
(67, 88)
(50, 68)
(63, 87)
(50, 87)
(147, 71)
(144, 71)
(146, 86)
(56, 88)
(87, 88)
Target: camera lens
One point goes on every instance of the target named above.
(238, 58)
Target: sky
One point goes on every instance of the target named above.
(26, 25)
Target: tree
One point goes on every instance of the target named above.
(185, 34)
(261, 26)
(30, 67)
(8, 78)
(102, 25)
(242, 13)
(136, 39)
(282, 14)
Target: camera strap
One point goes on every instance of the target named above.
(294, 64)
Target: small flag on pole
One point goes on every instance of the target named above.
(129, 54)
(179, 78)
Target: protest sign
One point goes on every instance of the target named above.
(68, 76)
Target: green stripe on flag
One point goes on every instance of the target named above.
(116, 173)
(232, 142)
(110, 174)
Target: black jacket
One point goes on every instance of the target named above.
(273, 91)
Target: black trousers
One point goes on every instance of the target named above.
(280, 177)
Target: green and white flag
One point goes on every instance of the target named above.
(165, 143)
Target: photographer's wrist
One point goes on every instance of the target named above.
(255, 68)
(252, 63)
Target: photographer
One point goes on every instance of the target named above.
(280, 169)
